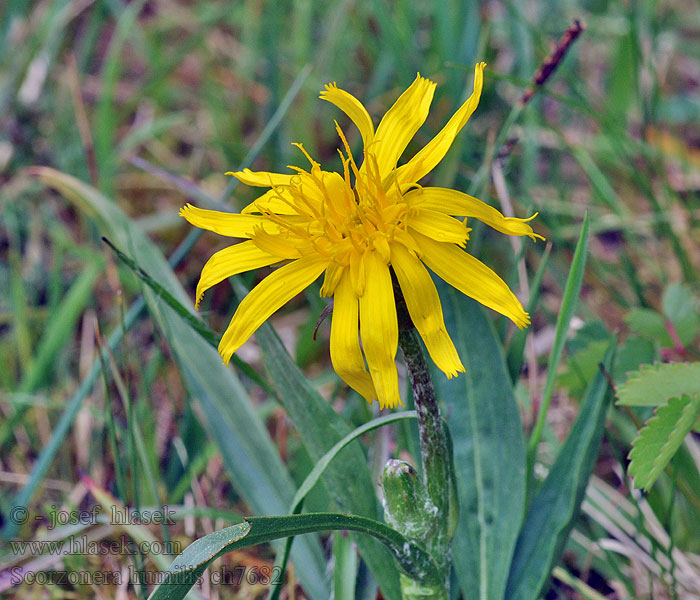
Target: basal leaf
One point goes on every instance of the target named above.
(555, 507)
(347, 478)
(661, 437)
(255, 467)
(654, 384)
(489, 450)
(189, 566)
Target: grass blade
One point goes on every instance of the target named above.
(568, 305)
(194, 322)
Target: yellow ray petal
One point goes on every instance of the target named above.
(431, 154)
(346, 353)
(353, 108)
(471, 277)
(282, 246)
(334, 272)
(358, 273)
(401, 122)
(265, 298)
(278, 201)
(261, 178)
(223, 223)
(380, 331)
(425, 309)
(438, 226)
(452, 202)
(231, 261)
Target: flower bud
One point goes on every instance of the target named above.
(407, 507)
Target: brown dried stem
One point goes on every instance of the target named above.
(550, 64)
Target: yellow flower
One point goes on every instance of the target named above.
(356, 228)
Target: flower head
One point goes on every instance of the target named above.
(356, 228)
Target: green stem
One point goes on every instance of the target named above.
(434, 448)
(413, 590)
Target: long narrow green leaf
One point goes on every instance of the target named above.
(489, 450)
(348, 478)
(189, 566)
(194, 322)
(568, 305)
(257, 472)
(556, 505)
(321, 465)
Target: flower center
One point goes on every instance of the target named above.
(341, 217)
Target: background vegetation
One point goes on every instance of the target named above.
(150, 102)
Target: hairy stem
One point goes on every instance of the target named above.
(434, 447)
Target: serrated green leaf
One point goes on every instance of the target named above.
(189, 566)
(661, 437)
(489, 449)
(654, 384)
